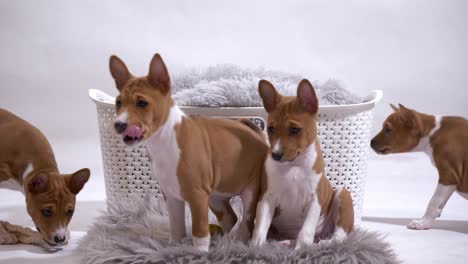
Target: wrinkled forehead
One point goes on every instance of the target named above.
(57, 193)
(134, 85)
(394, 118)
(287, 111)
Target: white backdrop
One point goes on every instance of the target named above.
(51, 52)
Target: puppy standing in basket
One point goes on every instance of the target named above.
(296, 199)
(201, 161)
(443, 139)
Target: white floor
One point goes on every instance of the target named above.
(398, 189)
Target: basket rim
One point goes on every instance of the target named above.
(101, 98)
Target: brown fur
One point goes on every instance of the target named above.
(404, 128)
(217, 155)
(45, 188)
(286, 112)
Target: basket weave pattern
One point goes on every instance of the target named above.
(343, 138)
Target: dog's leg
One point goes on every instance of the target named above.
(176, 210)
(249, 199)
(345, 216)
(435, 207)
(307, 233)
(200, 226)
(264, 216)
(221, 207)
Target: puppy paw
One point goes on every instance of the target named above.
(201, 243)
(302, 243)
(420, 224)
(258, 240)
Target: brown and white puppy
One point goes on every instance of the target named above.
(443, 139)
(27, 164)
(201, 161)
(296, 199)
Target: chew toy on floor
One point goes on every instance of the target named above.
(14, 234)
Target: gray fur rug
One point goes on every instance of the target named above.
(231, 85)
(137, 233)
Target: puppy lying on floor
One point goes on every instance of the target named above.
(443, 139)
(297, 201)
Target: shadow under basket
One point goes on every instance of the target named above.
(343, 133)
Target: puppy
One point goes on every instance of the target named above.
(443, 139)
(201, 161)
(296, 199)
(27, 164)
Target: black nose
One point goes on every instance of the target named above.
(372, 143)
(59, 239)
(276, 155)
(120, 126)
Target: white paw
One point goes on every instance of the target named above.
(420, 224)
(304, 242)
(201, 243)
(8, 239)
(258, 240)
(202, 248)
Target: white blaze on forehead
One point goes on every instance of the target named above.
(28, 170)
(62, 232)
(277, 147)
(123, 117)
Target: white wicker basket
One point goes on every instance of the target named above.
(343, 131)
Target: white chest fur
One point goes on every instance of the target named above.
(164, 154)
(292, 188)
(424, 144)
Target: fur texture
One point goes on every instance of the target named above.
(230, 85)
(138, 234)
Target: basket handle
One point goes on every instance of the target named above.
(100, 97)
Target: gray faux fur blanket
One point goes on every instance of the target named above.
(137, 233)
(231, 85)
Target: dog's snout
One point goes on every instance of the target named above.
(277, 155)
(59, 238)
(120, 126)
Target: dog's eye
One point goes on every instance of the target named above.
(387, 130)
(70, 212)
(46, 212)
(118, 103)
(271, 129)
(141, 103)
(294, 130)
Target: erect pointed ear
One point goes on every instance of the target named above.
(394, 108)
(158, 75)
(38, 183)
(77, 180)
(408, 116)
(269, 95)
(119, 71)
(306, 96)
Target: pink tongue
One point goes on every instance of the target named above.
(133, 131)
